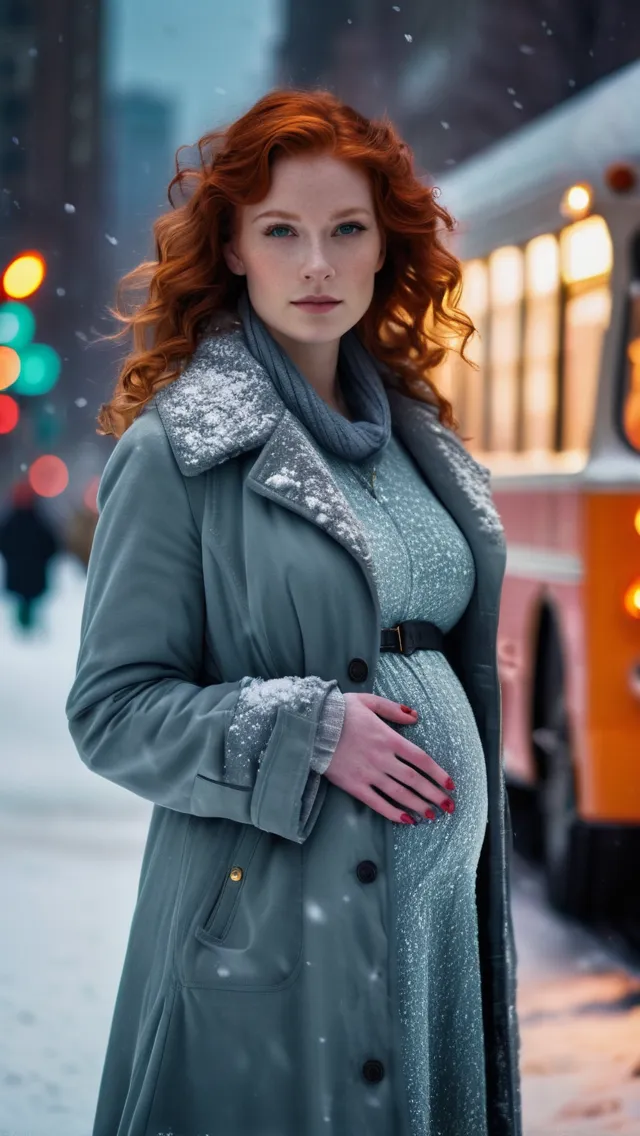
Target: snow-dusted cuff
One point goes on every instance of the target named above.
(329, 729)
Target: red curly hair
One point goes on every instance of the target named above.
(413, 318)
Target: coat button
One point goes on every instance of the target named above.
(366, 871)
(373, 1071)
(358, 670)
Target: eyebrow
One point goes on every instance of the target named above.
(294, 216)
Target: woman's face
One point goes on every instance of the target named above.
(315, 233)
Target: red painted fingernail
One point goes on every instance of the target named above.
(430, 814)
(449, 784)
(406, 818)
(407, 709)
(448, 806)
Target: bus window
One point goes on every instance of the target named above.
(471, 382)
(631, 409)
(506, 287)
(586, 259)
(461, 383)
(541, 340)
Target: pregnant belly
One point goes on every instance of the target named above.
(447, 731)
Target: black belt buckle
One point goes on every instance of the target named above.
(412, 635)
(400, 643)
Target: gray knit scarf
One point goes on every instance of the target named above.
(362, 387)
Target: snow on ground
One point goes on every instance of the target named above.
(70, 849)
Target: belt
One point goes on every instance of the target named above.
(412, 635)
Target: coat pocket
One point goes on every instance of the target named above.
(248, 931)
(217, 925)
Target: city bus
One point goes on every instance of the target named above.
(548, 231)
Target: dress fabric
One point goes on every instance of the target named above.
(424, 569)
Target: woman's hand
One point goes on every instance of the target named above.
(367, 758)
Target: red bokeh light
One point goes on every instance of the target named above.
(621, 177)
(48, 476)
(9, 413)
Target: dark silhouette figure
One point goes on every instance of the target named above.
(27, 543)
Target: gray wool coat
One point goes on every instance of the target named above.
(245, 1007)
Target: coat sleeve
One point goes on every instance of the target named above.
(136, 712)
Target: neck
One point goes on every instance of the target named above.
(318, 362)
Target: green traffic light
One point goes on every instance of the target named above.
(40, 367)
(17, 325)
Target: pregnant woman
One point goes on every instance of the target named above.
(288, 645)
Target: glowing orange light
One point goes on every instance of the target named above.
(9, 367)
(48, 476)
(632, 600)
(9, 413)
(24, 275)
(636, 522)
(576, 201)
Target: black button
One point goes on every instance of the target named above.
(358, 670)
(373, 1071)
(366, 871)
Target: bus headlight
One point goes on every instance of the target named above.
(632, 600)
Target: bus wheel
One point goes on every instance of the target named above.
(565, 839)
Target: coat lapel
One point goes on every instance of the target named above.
(224, 404)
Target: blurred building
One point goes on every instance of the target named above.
(50, 199)
(455, 77)
(139, 131)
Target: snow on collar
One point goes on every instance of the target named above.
(222, 404)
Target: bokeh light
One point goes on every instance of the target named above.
(24, 275)
(17, 325)
(632, 599)
(48, 476)
(9, 367)
(40, 369)
(9, 414)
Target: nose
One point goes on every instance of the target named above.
(315, 265)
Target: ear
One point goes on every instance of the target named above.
(232, 259)
(382, 257)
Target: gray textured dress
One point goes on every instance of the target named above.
(423, 569)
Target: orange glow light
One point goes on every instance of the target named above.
(9, 413)
(48, 476)
(632, 600)
(24, 275)
(636, 522)
(9, 367)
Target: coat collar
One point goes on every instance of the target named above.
(224, 404)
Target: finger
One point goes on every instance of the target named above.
(386, 708)
(380, 805)
(402, 747)
(417, 782)
(422, 800)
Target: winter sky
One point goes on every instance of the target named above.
(211, 58)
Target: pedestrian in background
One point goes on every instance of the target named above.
(289, 646)
(28, 542)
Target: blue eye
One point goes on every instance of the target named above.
(345, 225)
